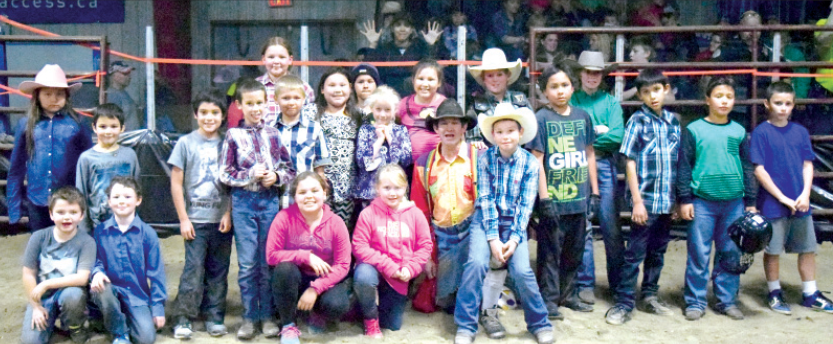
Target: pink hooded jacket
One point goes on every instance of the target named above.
(291, 241)
(390, 240)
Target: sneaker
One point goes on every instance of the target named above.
(246, 330)
(123, 339)
(270, 329)
(290, 334)
(372, 329)
(215, 328)
(692, 314)
(182, 330)
(818, 302)
(463, 337)
(733, 312)
(545, 337)
(777, 304)
(554, 314)
(489, 320)
(653, 305)
(578, 306)
(78, 334)
(617, 315)
(587, 296)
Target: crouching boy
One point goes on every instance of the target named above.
(506, 180)
(56, 268)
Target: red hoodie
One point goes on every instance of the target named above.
(392, 239)
(290, 240)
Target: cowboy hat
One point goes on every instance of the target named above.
(448, 109)
(505, 110)
(592, 60)
(50, 76)
(494, 59)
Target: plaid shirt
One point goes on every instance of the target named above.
(305, 140)
(653, 141)
(506, 189)
(272, 109)
(245, 147)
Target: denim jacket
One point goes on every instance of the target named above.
(59, 141)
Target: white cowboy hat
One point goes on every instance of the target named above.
(50, 76)
(493, 59)
(594, 60)
(504, 110)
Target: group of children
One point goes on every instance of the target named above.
(287, 189)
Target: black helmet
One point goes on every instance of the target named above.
(751, 232)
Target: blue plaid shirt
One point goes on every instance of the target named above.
(653, 141)
(506, 189)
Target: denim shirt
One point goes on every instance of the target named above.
(130, 260)
(59, 141)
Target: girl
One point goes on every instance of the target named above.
(380, 142)
(309, 248)
(340, 123)
(276, 56)
(391, 243)
(48, 142)
(413, 109)
(365, 79)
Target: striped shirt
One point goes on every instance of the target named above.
(653, 142)
(506, 189)
(272, 109)
(247, 147)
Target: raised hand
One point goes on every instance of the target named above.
(433, 33)
(370, 33)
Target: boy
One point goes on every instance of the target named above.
(204, 213)
(567, 188)
(255, 164)
(783, 159)
(503, 208)
(300, 132)
(650, 147)
(107, 159)
(56, 267)
(127, 259)
(714, 183)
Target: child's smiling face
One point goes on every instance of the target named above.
(382, 112)
(252, 104)
(209, 118)
(123, 200)
(107, 130)
(66, 216)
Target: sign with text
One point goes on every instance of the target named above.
(280, 3)
(63, 11)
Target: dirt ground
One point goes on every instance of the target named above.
(760, 325)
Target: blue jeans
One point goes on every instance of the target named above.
(647, 243)
(252, 214)
(121, 318)
(391, 304)
(711, 222)
(68, 303)
(608, 226)
(204, 282)
(469, 295)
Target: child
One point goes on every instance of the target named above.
(414, 110)
(127, 259)
(714, 182)
(340, 122)
(309, 248)
(783, 158)
(300, 132)
(650, 146)
(380, 143)
(506, 178)
(391, 243)
(564, 147)
(56, 267)
(48, 142)
(204, 212)
(276, 56)
(450, 32)
(105, 160)
(255, 164)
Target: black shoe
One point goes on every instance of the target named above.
(489, 320)
(79, 334)
(554, 314)
(578, 306)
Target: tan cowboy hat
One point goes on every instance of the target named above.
(493, 59)
(592, 60)
(505, 110)
(50, 76)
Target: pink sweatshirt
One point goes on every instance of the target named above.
(389, 240)
(290, 240)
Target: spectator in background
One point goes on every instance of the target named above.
(508, 30)
(119, 79)
(389, 10)
(567, 13)
(548, 53)
(648, 14)
(677, 46)
(601, 42)
(714, 52)
(405, 46)
(458, 18)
